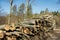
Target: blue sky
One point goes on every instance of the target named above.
(37, 5)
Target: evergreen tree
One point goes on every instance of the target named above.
(29, 12)
(14, 10)
(21, 8)
(21, 12)
(46, 11)
(41, 12)
(56, 13)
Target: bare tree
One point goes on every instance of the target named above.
(10, 16)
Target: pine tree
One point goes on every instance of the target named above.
(14, 16)
(21, 12)
(29, 12)
(46, 11)
(21, 8)
(14, 10)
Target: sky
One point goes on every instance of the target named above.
(37, 5)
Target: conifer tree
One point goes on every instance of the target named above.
(14, 10)
(46, 11)
(21, 12)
